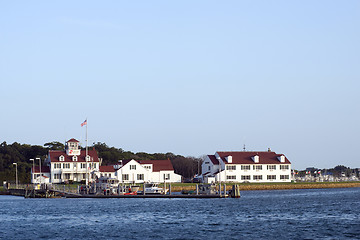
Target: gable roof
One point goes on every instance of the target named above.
(55, 154)
(158, 165)
(44, 169)
(107, 168)
(213, 159)
(73, 140)
(246, 157)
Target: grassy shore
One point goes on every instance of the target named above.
(177, 187)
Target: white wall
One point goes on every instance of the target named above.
(264, 172)
(149, 175)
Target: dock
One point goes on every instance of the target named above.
(149, 196)
(31, 192)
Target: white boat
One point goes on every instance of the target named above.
(153, 188)
(111, 186)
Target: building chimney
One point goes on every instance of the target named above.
(269, 150)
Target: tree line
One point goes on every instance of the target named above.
(22, 153)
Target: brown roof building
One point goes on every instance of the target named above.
(72, 164)
(246, 166)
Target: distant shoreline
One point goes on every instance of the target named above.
(274, 186)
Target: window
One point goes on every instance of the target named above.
(209, 168)
(230, 167)
(88, 158)
(125, 177)
(271, 177)
(283, 177)
(257, 177)
(245, 167)
(271, 167)
(257, 167)
(284, 167)
(83, 165)
(245, 177)
(84, 175)
(66, 165)
(92, 165)
(57, 165)
(67, 175)
(57, 176)
(132, 167)
(147, 167)
(61, 158)
(74, 158)
(166, 176)
(140, 177)
(231, 177)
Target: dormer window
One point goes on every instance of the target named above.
(74, 158)
(73, 145)
(61, 158)
(88, 158)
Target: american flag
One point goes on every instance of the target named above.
(84, 123)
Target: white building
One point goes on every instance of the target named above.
(246, 167)
(73, 164)
(38, 176)
(139, 171)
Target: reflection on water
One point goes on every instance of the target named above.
(299, 214)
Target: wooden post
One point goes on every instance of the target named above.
(169, 188)
(197, 189)
(235, 193)
(144, 188)
(220, 189)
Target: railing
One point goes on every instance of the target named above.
(56, 187)
(65, 188)
(19, 186)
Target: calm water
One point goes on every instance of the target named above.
(285, 214)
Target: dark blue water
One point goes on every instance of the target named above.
(285, 214)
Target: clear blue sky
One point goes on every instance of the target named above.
(188, 77)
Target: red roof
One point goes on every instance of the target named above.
(73, 140)
(158, 165)
(246, 157)
(213, 159)
(44, 169)
(54, 156)
(107, 168)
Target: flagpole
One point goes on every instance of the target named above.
(86, 154)
(86, 149)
